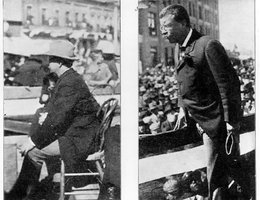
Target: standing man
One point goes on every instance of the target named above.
(67, 129)
(209, 94)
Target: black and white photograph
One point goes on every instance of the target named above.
(61, 99)
(196, 106)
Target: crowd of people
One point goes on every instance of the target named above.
(193, 186)
(97, 67)
(158, 96)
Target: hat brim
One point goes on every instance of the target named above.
(56, 55)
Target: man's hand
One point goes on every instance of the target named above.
(181, 122)
(232, 127)
(42, 117)
(232, 139)
(25, 147)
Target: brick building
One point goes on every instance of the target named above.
(57, 19)
(152, 47)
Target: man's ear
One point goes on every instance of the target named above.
(184, 23)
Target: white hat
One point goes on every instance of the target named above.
(61, 49)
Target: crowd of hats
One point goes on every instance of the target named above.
(186, 185)
(194, 184)
(158, 94)
(246, 73)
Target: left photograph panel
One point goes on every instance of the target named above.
(61, 62)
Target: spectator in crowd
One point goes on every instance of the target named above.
(195, 184)
(12, 63)
(171, 118)
(153, 118)
(97, 73)
(172, 188)
(209, 94)
(30, 73)
(109, 59)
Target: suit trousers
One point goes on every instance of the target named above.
(31, 168)
(220, 166)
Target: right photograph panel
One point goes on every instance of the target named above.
(196, 99)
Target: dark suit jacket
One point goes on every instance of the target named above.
(71, 118)
(208, 85)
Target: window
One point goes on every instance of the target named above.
(190, 9)
(29, 16)
(44, 18)
(84, 17)
(67, 19)
(194, 10)
(152, 23)
(57, 17)
(200, 12)
(140, 52)
(154, 55)
(76, 17)
(166, 56)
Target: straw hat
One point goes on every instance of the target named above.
(62, 49)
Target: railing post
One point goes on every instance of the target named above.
(62, 180)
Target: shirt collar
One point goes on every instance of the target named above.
(187, 39)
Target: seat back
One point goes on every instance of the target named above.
(106, 114)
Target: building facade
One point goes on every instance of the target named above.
(78, 14)
(154, 49)
(58, 18)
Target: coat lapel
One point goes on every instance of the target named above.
(190, 46)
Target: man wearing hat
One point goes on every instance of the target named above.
(171, 118)
(69, 126)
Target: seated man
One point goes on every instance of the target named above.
(70, 127)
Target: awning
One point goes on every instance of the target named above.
(64, 32)
(25, 46)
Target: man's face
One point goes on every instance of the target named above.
(99, 58)
(172, 30)
(54, 66)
